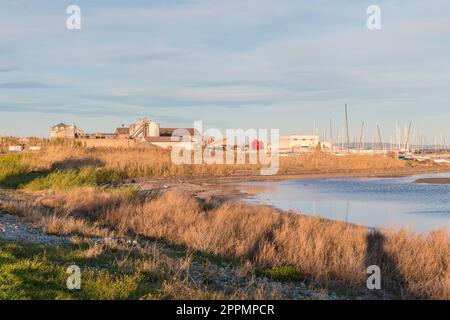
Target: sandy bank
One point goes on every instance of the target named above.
(434, 180)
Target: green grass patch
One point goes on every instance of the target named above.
(37, 272)
(15, 170)
(126, 193)
(12, 165)
(281, 273)
(73, 178)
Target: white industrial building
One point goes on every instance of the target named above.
(149, 131)
(65, 131)
(298, 143)
(141, 131)
(143, 128)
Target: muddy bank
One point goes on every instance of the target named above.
(224, 188)
(299, 174)
(433, 180)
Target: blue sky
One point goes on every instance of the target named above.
(287, 64)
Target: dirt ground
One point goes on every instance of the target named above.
(223, 188)
(434, 180)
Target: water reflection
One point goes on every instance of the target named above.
(374, 202)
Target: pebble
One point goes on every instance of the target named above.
(13, 230)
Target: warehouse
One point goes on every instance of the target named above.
(298, 143)
(65, 131)
(141, 131)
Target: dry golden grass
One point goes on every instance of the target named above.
(72, 218)
(86, 201)
(5, 142)
(58, 225)
(323, 160)
(154, 161)
(413, 266)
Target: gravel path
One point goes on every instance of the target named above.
(13, 230)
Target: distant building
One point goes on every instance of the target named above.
(15, 149)
(298, 143)
(65, 131)
(35, 148)
(123, 133)
(144, 128)
(169, 137)
(178, 132)
(170, 142)
(141, 131)
(149, 131)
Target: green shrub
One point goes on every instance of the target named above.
(68, 179)
(281, 273)
(39, 273)
(14, 170)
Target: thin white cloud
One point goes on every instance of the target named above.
(295, 55)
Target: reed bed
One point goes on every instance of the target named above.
(101, 164)
(412, 266)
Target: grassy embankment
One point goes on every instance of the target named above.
(35, 272)
(108, 271)
(66, 167)
(298, 247)
(275, 244)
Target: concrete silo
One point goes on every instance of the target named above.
(152, 129)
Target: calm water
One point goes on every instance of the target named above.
(374, 202)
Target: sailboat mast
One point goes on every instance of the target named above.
(346, 127)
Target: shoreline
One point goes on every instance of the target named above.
(227, 188)
(391, 173)
(433, 180)
(207, 196)
(306, 174)
(211, 184)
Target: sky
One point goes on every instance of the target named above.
(288, 64)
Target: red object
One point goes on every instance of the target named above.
(257, 145)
